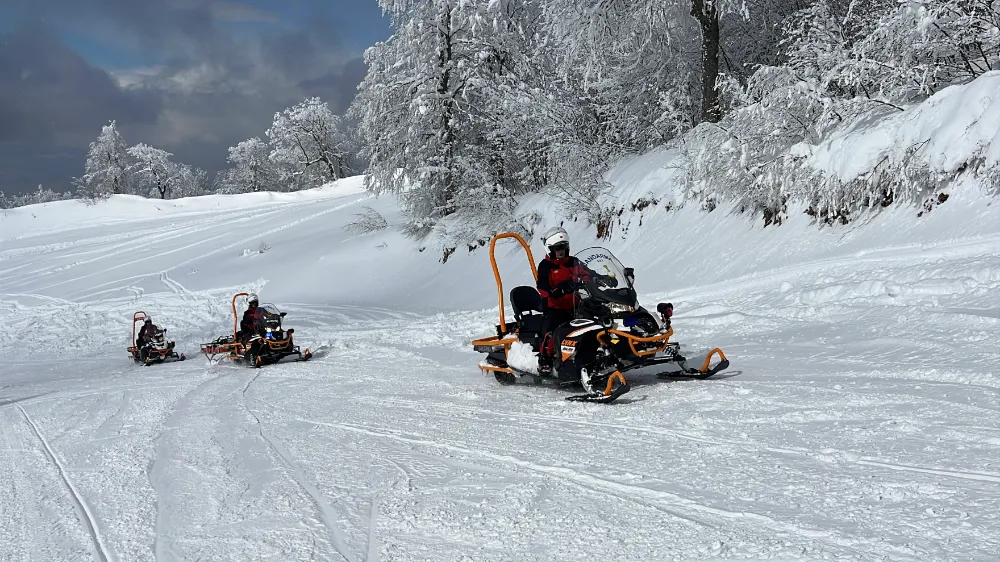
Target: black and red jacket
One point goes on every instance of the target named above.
(146, 332)
(253, 320)
(554, 272)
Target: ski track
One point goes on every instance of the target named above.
(79, 503)
(672, 505)
(327, 512)
(874, 437)
(477, 413)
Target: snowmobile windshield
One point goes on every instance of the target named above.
(606, 279)
(272, 316)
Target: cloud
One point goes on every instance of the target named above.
(51, 93)
(241, 13)
(214, 73)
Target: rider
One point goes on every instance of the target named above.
(556, 274)
(253, 318)
(145, 333)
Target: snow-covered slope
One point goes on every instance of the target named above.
(860, 419)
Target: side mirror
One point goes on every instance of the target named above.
(283, 314)
(291, 331)
(630, 273)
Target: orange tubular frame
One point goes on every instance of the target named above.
(140, 315)
(632, 339)
(496, 270)
(708, 359)
(236, 318)
(617, 375)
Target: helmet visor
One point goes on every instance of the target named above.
(559, 249)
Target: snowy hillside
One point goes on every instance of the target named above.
(860, 419)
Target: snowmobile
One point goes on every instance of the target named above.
(610, 335)
(270, 345)
(156, 350)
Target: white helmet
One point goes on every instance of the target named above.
(252, 297)
(556, 238)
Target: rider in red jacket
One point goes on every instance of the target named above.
(253, 319)
(556, 273)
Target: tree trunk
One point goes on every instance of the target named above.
(707, 14)
(447, 201)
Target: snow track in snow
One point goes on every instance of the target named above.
(328, 514)
(79, 504)
(859, 420)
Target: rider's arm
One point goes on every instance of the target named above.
(543, 279)
(580, 272)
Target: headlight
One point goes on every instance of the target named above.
(620, 308)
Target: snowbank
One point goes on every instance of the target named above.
(42, 217)
(953, 128)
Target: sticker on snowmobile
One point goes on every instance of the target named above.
(576, 333)
(596, 256)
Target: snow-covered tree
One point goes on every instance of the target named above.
(152, 170)
(188, 181)
(107, 168)
(412, 107)
(251, 169)
(41, 195)
(310, 144)
(158, 176)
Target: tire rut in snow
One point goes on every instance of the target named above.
(220, 481)
(327, 513)
(79, 504)
(747, 524)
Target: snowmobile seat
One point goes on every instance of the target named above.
(527, 305)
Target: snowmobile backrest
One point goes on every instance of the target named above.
(524, 299)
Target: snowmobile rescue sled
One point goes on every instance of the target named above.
(269, 345)
(610, 335)
(156, 350)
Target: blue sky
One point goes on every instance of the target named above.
(190, 76)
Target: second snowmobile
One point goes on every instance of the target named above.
(270, 344)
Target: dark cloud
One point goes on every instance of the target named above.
(217, 73)
(51, 93)
(338, 88)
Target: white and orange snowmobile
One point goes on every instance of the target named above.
(156, 349)
(269, 345)
(610, 335)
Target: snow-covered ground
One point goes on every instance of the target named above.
(860, 419)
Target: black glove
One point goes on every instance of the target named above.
(564, 288)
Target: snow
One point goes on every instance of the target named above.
(859, 420)
(958, 125)
(522, 357)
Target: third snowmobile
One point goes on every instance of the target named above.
(157, 349)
